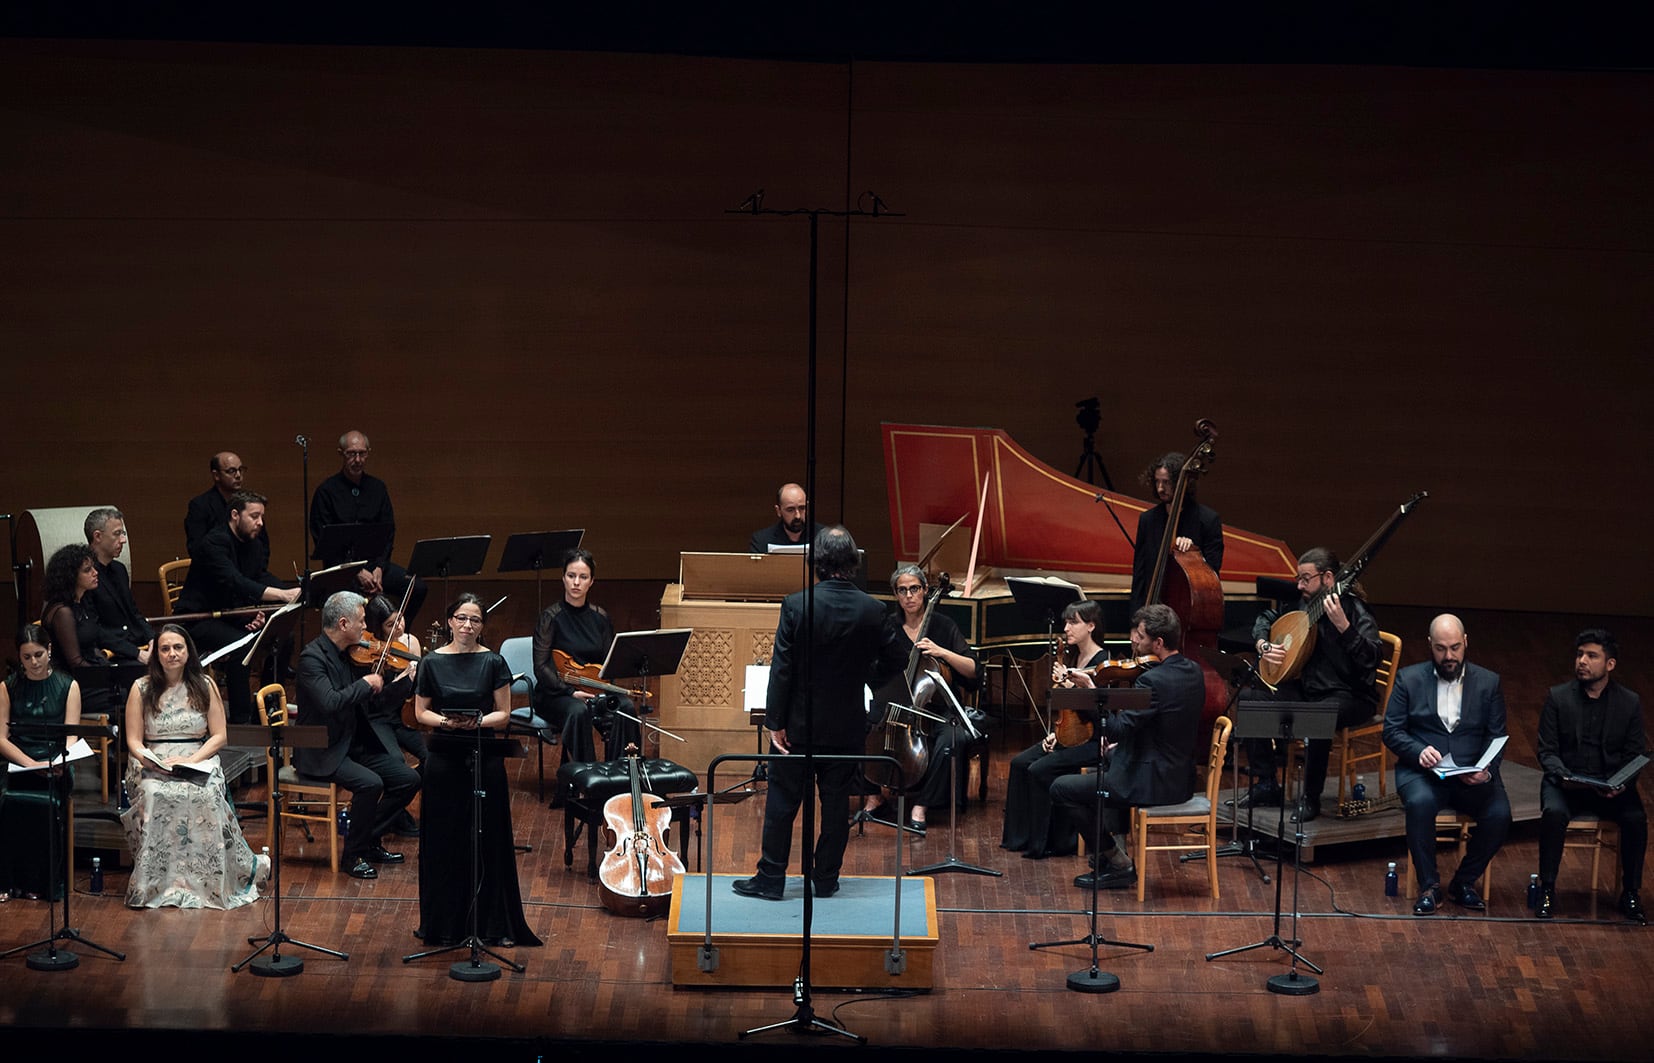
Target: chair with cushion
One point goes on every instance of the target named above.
(519, 657)
(1191, 825)
(306, 800)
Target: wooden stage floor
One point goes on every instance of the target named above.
(1499, 986)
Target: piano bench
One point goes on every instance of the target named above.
(586, 787)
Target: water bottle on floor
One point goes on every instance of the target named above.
(1392, 881)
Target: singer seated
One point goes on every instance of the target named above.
(72, 620)
(37, 694)
(582, 631)
(1147, 755)
(944, 649)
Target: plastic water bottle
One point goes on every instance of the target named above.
(126, 802)
(344, 820)
(1533, 892)
(1392, 881)
(97, 875)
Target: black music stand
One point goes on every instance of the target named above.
(1288, 721)
(322, 584)
(275, 736)
(642, 654)
(475, 969)
(52, 958)
(961, 723)
(536, 552)
(1239, 679)
(354, 542)
(1092, 703)
(461, 555)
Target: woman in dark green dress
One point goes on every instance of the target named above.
(38, 694)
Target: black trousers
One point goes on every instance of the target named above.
(834, 781)
(1558, 804)
(381, 784)
(1075, 797)
(1423, 797)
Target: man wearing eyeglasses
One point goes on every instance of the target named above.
(1342, 670)
(351, 496)
(793, 526)
(211, 508)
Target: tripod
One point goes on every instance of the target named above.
(961, 726)
(276, 965)
(1258, 719)
(474, 969)
(52, 958)
(1091, 702)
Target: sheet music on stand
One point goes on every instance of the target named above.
(282, 619)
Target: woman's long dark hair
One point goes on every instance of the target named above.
(63, 570)
(194, 678)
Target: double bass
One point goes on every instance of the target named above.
(639, 868)
(902, 733)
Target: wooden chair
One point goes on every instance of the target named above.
(306, 800)
(1349, 758)
(1452, 828)
(1193, 824)
(101, 747)
(1585, 832)
(173, 574)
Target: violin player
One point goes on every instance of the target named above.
(582, 630)
(941, 643)
(1341, 670)
(360, 755)
(842, 644)
(1147, 754)
(1198, 527)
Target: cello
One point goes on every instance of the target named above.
(901, 734)
(638, 870)
(1184, 581)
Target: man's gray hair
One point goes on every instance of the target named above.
(339, 605)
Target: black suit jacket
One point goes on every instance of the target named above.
(849, 649)
(1154, 761)
(1411, 722)
(329, 692)
(1563, 717)
(207, 511)
(122, 629)
(225, 573)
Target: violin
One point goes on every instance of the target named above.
(383, 655)
(638, 870)
(585, 676)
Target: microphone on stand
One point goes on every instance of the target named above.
(302, 441)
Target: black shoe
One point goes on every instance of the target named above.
(1429, 901)
(1308, 809)
(1632, 908)
(362, 869)
(1546, 908)
(1259, 795)
(884, 813)
(917, 826)
(381, 855)
(405, 826)
(757, 887)
(1466, 897)
(826, 889)
(1113, 879)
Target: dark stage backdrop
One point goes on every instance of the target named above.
(515, 272)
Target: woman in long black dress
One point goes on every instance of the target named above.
(1029, 825)
(466, 677)
(28, 799)
(943, 643)
(73, 621)
(582, 630)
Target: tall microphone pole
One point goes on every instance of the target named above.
(304, 519)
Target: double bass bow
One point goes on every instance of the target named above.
(638, 870)
(901, 734)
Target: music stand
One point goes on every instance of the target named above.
(536, 552)
(322, 584)
(1222, 662)
(461, 555)
(52, 958)
(641, 654)
(354, 542)
(274, 736)
(475, 969)
(1288, 721)
(961, 723)
(1091, 703)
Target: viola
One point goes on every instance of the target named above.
(585, 676)
(638, 870)
(382, 656)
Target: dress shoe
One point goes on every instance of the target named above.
(826, 889)
(362, 869)
(1112, 879)
(405, 825)
(1260, 794)
(380, 855)
(757, 887)
(1546, 907)
(1429, 901)
(1308, 809)
(261, 869)
(1632, 908)
(917, 826)
(1465, 896)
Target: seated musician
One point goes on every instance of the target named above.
(1198, 527)
(1029, 826)
(942, 644)
(793, 526)
(1148, 753)
(1342, 670)
(391, 708)
(37, 694)
(122, 627)
(72, 621)
(582, 632)
(230, 569)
